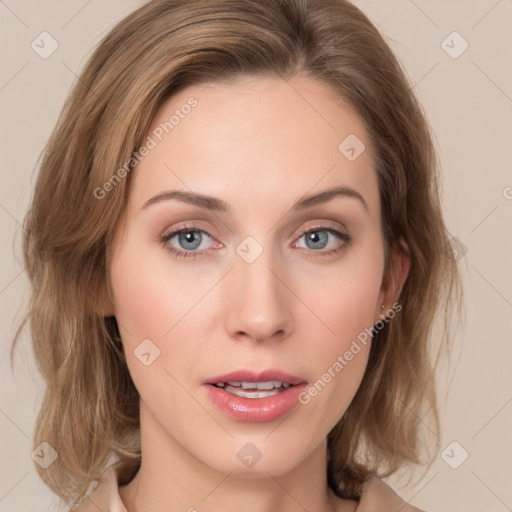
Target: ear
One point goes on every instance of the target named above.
(394, 277)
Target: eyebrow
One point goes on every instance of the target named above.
(218, 205)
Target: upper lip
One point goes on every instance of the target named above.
(245, 375)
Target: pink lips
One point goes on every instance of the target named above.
(255, 410)
(253, 376)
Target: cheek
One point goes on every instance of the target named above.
(345, 307)
(154, 302)
(150, 297)
(344, 304)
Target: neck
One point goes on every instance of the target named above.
(171, 478)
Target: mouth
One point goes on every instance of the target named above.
(252, 396)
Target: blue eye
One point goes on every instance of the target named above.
(189, 238)
(319, 237)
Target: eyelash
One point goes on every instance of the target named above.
(194, 254)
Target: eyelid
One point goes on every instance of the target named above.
(184, 227)
(316, 225)
(322, 225)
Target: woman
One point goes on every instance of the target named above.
(237, 253)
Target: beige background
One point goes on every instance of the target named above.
(468, 100)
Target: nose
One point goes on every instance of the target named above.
(259, 304)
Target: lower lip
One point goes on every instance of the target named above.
(255, 410)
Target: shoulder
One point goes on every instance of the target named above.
(104, 497)
(378, 496)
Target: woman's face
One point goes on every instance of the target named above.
(243, 288)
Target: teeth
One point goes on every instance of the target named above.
(270, 384)
(254, 389)
(252, 394)
(267, 385)
(262, 385)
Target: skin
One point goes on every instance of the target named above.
(260, 145)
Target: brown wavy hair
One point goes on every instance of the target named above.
(90, 410)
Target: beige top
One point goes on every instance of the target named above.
(377, 496)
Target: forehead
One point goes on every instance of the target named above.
(254, 139)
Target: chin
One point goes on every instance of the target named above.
(254, 457)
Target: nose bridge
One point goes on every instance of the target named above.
(259, 305)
